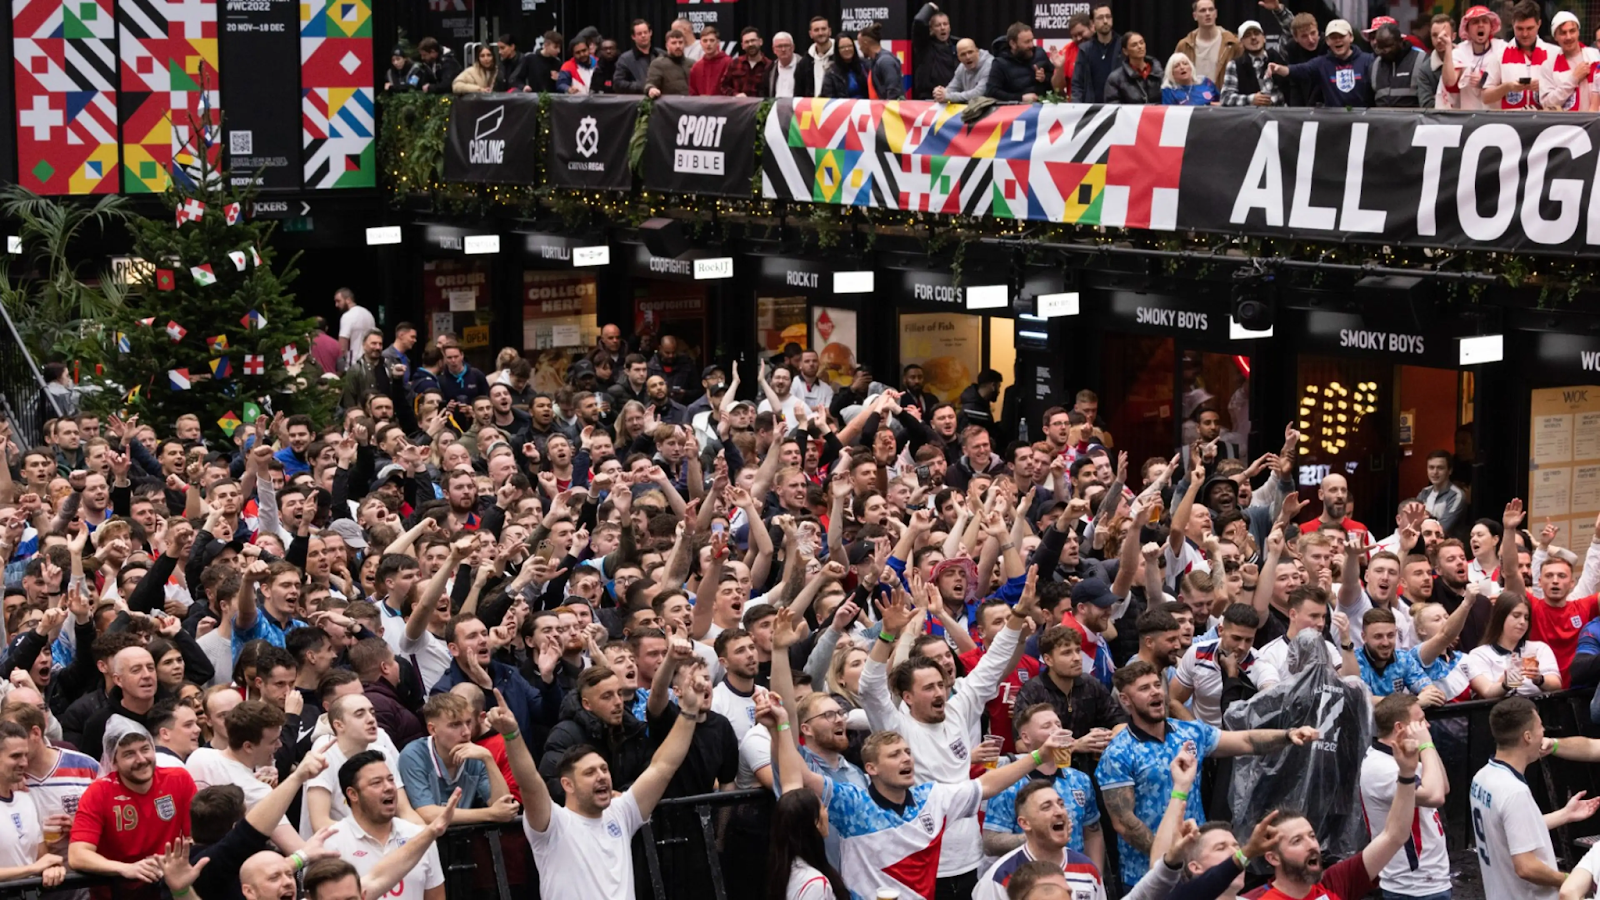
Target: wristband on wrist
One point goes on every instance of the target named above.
(508, 738)
(1555, 744)
(1180, 795)
(888, 638)
(1038, 758)
(297, 860)
(1239, 859)
(180, 893)
(1427, 746)
(783, 726)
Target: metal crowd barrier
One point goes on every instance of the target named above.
(1461, 734)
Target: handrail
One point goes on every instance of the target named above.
(21, 411)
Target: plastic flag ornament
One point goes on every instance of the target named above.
(238, 259)
(166, 279)
(252, 412)
(178, 378)
(221, 368)
(231, 213)
(255, 365)
(230, 422)
(123, 344)
(255, 257)
(290, 355)
(203, 274)
(133, 395)
(191, 210)
(148, 322)
(253, 319)
(217, 344)
(176, 331)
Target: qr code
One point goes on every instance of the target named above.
(241, 143)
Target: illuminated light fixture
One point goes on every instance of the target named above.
(591, 256)
(853, 282)
(1341, 417)
(481, 243)
(1304, 423)
(13, 244)
(1311, 389)
(1489, 348)
(383, 234)
(1051, 306)
(1343, 405)
(988, 296)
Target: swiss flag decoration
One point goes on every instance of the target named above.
(191, 210)
(176, 331)
(255, 365)
(290, 355)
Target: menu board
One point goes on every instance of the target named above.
(1564, 462)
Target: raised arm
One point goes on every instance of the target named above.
(535, 796)
(692, 704)
(1266, 581)
(428, 600)
(1397, 827)
(1434, 647)
(1185, 507)
(1511, 520)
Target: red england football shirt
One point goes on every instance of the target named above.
(127, 826)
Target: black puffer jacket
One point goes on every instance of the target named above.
(1125, 85)
(626, 747)
(1010, 77)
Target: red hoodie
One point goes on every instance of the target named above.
(705, 79)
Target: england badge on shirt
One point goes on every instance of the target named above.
(1577, 622)
(1345, 79)
(927, 823)
(613, 829)
(165, 808)
(1079, 797)
(959, 748)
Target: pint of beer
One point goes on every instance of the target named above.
(1063, 757)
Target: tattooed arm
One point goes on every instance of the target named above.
(1119, 806)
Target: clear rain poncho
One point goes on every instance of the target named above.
(1320, 779)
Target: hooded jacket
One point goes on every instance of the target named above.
(626, 747)
(935, 62)
(1010, 77)
(888, 79)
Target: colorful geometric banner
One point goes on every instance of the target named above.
(1092, 165)
(168, 50)
(66, 95)
(336, 94)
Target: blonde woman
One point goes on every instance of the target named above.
(1180, 87)
(477, 78)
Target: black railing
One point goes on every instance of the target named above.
(23, 400)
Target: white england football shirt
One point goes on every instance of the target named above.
(363, 851)
(586, 859)
(1506, 822)
(1200, 672)
(339, 807)
(1422, 867)
(20, 830)
(739, 709)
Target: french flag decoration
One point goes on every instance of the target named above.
(178, 378)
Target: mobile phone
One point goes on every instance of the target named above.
(1524, 80)
(922, 473)
(718, 527)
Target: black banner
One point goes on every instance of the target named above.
(719, 15)
(589, 139)
(1167, 315)
(491, 139)
(1050, 18)
(1502, 182)
(261, 113)
(701, 145)
(890, 17)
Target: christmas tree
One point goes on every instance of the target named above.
(211, 327)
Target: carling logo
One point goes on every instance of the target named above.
(482, 150)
